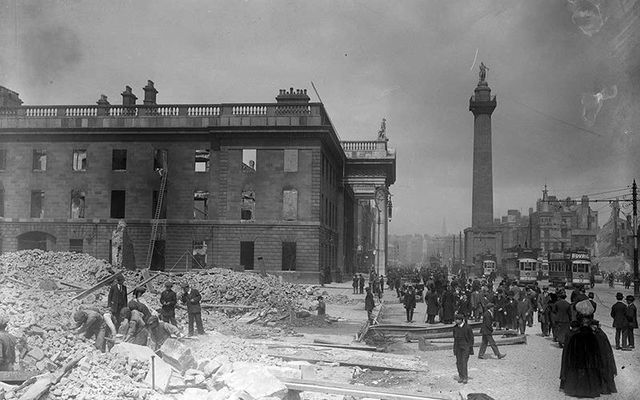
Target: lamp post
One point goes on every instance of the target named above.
(381, 199)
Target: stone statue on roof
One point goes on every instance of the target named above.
(483, 72)
(383, 128)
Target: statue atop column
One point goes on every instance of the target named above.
(383, 128)
(483, 72)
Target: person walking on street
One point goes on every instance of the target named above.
(7, 346)
(409, 301)
(462, 346)
(117, 299)
(361, 283)
(632, 321)
(191, 297)
(619, 315)
(369, 305)
(354, 284)
(523, 312)
(168, 300)
(562, 318)
(543, 316)
(431, 299)
(486, 330)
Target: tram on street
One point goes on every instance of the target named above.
(488, 266)
(571, 268)
(527, 270)
(543, 271)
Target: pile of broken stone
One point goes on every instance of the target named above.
(40, 309)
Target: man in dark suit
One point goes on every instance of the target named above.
(562, 317)
(117, 299)
(618, 313)
(486, 330)
(168, 300)
(191, 297)
(462, 346)
(632, 320)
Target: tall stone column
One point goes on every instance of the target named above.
(482, 105)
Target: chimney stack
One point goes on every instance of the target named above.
(103, 105)
(298, 96)
(128, 98)
(150, 94)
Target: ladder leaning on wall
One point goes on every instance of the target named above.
(154, 226)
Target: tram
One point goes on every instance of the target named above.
(543, 271)
(488, 266)
(569, 268)
(527, 270)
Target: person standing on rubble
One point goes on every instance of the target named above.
(91, 323)
(117, 299)
(168, 300)
(191, 297)
(7, 347)
(137, 303)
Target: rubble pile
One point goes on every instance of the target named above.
(33, 266)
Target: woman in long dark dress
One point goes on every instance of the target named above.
(609, 370)
(581, 371)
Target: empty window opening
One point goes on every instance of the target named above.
(248, 205)
(202, 160)
(117, 203)
(37, 204)
(119, 159)
(160, 157)
(80, 160)
(158, 258)
(162, 212)
(288, 256)
(249, 160)
(75, 245)
(39, 160)
(3, 159)
(77, 203)
(246, 255)
(200, 206)
(290, 160)
(199, 253)
(290, 205)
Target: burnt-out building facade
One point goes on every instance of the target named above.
(257, 186)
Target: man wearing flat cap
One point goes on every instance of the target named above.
(619, 315)
(486, 330)
(462, 346)
(168, 300)
(632, 320)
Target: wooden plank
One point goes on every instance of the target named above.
(17, 281)
(72, 285)
(373, 367)
(441, 335)
(97, 286)
(520, 339)
(16, 377)
(357, 391)
(147, 279)
(205, 305)
(342, 346)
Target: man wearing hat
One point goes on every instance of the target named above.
(91, 324)
(369, 305)
(562, 317)
(462, 346)
(619, 315)
(7, 347)
(191, 297)
(486, 330)
(168, 300)
(543, 316)
(632, 320)
(117, 299)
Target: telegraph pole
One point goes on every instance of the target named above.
(636, 232)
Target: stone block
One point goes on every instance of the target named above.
(36, 353)
(258, 382)
(211, 367)
(178, 355)
(284, 372)
(194, 394)
(133, 351)
(162, 376)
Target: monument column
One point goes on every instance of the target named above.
(482, 105)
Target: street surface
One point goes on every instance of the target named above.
(529, 371)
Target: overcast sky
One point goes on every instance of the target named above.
(410, 62)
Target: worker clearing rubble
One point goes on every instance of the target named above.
(7, 347)
(160, 331)
(133, 327)
(91, 323)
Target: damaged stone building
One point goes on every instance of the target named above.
(258, 186)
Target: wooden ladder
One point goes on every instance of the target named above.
(154, 227)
